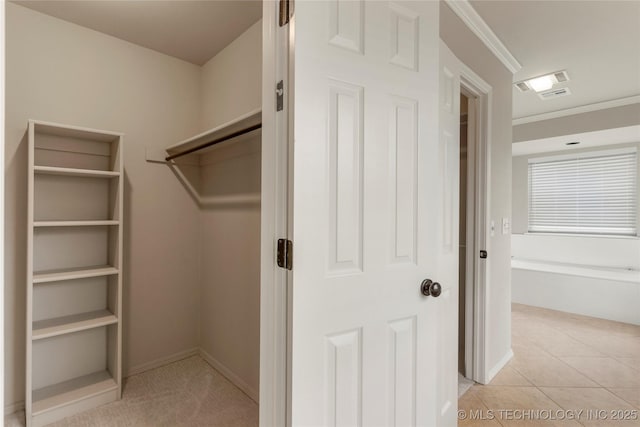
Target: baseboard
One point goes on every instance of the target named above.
(138, 369)
(498, 366)
(236, 380)
(13, 407)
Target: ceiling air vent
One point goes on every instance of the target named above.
(522, 86)
(561, 76)
(555, 93)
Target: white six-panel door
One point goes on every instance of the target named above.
(374, 214)
(449, 142)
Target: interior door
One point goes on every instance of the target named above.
(372, 219)
(449, 255)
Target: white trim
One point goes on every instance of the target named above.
(12, 408)
(498, 366)
(476, 24)
(2, 128)
(474, 84)
(620, 102)
(230, 375)
(470, 260)
(274, 217)
(161, 361)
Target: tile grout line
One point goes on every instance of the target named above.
(559, 405)
(572, 368)
(568, 366)
(622, 398)
(487, 409)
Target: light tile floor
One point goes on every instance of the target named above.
(185, 393)
(562, 363)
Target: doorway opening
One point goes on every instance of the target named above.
(471, 241)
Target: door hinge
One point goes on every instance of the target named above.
(285, 254)
(279, 95)
(285, 12)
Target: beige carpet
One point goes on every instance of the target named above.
(184, 393)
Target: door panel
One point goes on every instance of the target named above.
(449, 256)
(368, 217)
(403, 176)
(345, 177)
(402, 372)
(343, 361)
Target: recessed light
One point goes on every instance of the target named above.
(572, 143)
(542, 83)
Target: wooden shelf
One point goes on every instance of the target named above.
(69, 131)
(68, 324)
(77, 389)
(71, 274)
(89, 173)
(242, 122)
(74, 223)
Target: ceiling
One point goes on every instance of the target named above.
(596, 42)
(194, 31)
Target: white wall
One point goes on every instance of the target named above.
(230, 288)
(60, 72)
(610, 118)
(2, 80)
(231, 80)
(470, 50)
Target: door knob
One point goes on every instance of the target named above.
(430, 288)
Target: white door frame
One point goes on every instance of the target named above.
(480, 173)
(2, 126)
(275, 219)
(467, 288)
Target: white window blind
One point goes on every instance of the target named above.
(590, 193)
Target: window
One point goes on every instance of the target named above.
(586, 193)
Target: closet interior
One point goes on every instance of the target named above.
(220, 168)
(143, 240)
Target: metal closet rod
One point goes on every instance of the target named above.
(214, 142)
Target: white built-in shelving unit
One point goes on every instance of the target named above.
(74, 270)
